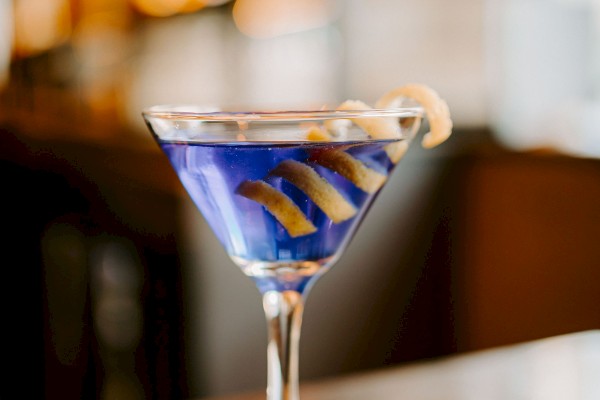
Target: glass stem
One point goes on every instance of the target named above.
(284, 318)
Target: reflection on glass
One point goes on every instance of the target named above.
(283, 206)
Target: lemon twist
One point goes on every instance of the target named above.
(279, 205)
(321, 192)
(354, 170)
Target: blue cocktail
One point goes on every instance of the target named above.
(215, 174)
(284, 192)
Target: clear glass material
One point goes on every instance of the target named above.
(284, 192)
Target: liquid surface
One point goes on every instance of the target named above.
(251, 235)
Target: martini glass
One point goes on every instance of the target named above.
(284, 197)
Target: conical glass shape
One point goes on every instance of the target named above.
(284, 192)
(283, 196)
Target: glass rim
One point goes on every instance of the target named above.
(171, 112)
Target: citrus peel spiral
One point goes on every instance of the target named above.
(320, 191)
(279, 205)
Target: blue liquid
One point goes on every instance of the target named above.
(251, 235)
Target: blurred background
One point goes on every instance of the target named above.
(114, 287)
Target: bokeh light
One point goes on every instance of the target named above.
(270, 18)
(40, 25)
(167, 8)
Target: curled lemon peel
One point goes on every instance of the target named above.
(321, 192)
(279, 205)
(376, 127)
(363, 177)
(317, 134)
(436, 110)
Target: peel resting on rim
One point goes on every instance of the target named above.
(321, 192)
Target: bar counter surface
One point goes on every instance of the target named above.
(561, 367)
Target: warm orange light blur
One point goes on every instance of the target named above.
(159, 8)
(192, 5)
(104, 35)
(40, 25)
(269, 18)
(167, 8)
(215, 3)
